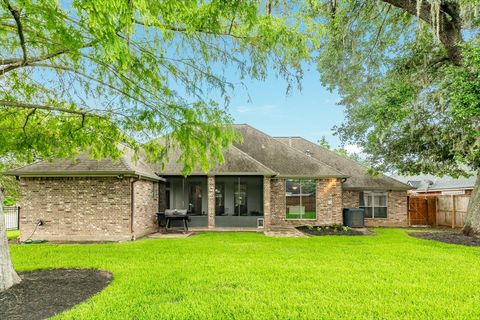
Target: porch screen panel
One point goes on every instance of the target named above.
(240, 198)
(219, 198)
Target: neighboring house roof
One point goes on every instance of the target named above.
(83, 165)
(236, 162)
(359, 178)
(279, 157)
(428, 183)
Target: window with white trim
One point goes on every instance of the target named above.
(374, 203)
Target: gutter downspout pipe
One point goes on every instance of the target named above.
(132, 205)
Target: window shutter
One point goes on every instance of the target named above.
(361, 199)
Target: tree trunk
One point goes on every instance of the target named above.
(8, 276)
(472, 221)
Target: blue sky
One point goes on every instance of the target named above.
(310, 113)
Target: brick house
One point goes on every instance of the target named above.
(264, 182)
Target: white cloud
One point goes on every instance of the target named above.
(353, 148)
(243, 109)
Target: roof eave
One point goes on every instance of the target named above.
(367, 188)
(267, 174)
(312, 176)
(63, 174)
(442, 189)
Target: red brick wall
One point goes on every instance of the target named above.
(397, 209)
(76, 208)
(145, 207)
(328, 203)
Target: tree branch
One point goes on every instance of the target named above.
(449, 28)
(16, 17)
(18, 63)
(26, 120)
(178, 29)
(22, 105)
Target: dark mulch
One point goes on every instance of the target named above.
(448, 237)
(45, 293)
(331, 231)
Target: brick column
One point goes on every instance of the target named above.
(211, 201)
(267, 213)
(329, 201)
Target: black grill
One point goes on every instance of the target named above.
(169, 213)
(165, 218)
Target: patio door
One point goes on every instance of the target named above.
(195, 198)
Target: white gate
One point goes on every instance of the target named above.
(12, 217)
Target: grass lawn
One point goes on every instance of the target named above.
(13, 234)
(250, 276)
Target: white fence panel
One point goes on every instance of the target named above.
(11, 215)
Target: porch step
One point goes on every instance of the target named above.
(284, 231)
(159, 235)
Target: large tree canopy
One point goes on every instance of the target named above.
(409, 75)
(87, 75)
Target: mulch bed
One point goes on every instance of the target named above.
(45, 293)
(448, 237)
(322, 231)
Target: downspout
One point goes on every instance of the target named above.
(132, 205)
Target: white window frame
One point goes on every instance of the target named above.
(373, 193)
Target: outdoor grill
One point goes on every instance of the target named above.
(175, 214)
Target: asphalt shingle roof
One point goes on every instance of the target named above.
(84, 165)
(359, 178)
(257, 154)
(236, 162)
(281, 158)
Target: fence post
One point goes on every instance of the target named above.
(453, 211)
(18, 218)
(408, 211)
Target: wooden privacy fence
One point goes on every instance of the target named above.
(12, 217)
(452, 210)
(438, 210)
(422, 210)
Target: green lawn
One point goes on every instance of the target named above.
(13, 234)
(250, 276)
